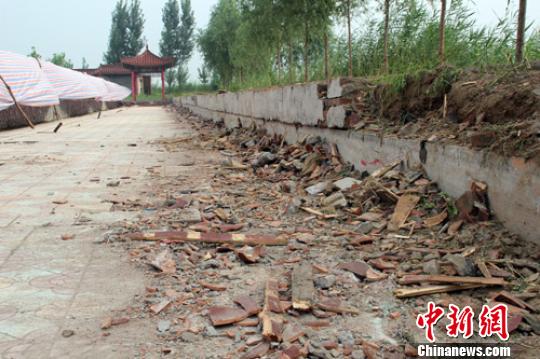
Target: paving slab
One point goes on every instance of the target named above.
(47, 284)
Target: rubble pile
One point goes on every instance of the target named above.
(285, 251)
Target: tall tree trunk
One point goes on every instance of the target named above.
(520, 39)
(326, 65)
(349, 36)
(306, 48)
(442, 32)
(279, 62)
(290, 61)
(386, 26)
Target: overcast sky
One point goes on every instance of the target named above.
(80, 28)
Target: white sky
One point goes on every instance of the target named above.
(80, 28)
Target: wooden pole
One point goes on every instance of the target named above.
(16, 103)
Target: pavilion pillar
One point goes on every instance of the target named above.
(163, 83)
(133, 86)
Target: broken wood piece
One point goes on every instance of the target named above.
(159, 307)
(436, 220)
(222, 238)
(164, 262)
(384, 170)
(292, 332)
(413, 279)
(416, 292)
(318, 214)
(248, 303)
(272, 324)
(404, 207)
(362, 270)
(507, 297)
(249, 322)
(211, 286)
(483, 268)
(302, 287)
(220, 316)
(109, 322)
(334, 305)
(249, 254)
(258, 351)
(292, 352)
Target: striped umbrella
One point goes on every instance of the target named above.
(69, 84)
(28, 83)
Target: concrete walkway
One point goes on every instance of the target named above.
(57, 184)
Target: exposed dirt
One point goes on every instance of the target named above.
(498, 111)
(244, 181)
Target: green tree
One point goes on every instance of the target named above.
(34, 53)
(135, 29)
(217, 41)
(203, 74)
(182, 76)
(118, 35)
(61, 60)
(315, 18)
(185, 32)
(84, 63)
(170, 42)
(170, 78)
(346, 8)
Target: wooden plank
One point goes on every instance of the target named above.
(403, 209)
(416, 292)
(236, 239)
(413, 279)
(483, 268)
(302, 287)
(271, 323)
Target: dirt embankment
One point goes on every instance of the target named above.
(498, 111)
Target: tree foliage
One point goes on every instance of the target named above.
(33, 53)
(60, 59)
(250, 43)
(170, 42)
(125, 37)
(186, 40)
(135, 29)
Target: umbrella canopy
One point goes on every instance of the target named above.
(27, 81)
(69, 84)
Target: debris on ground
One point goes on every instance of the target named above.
(296, 254)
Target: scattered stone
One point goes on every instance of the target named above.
(357, 354)
(164, 325)
(347, 183)
(464, 266)
(188, 337)
(189, 215)
(66, 333)
(431, 267)
(317, 188)
(264, 158)
(325, 282)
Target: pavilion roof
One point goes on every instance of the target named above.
(111, 70)
(147, 61)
